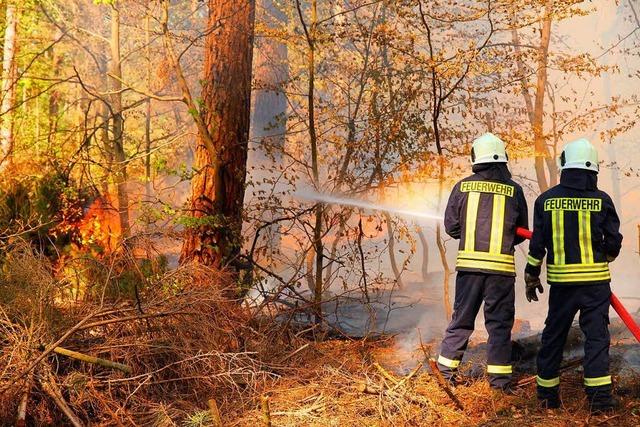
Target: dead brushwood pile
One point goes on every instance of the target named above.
(80, 354)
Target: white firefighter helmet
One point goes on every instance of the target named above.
(579, 154)
(488, 149)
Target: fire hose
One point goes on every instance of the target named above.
(624, 314)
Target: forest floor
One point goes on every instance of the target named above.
(356, 383)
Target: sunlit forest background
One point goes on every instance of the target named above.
(167, 169)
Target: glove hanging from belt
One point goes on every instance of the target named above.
(533, 285)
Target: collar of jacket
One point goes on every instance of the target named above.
(493, 171)
(579, 179)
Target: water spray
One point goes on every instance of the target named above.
(363, 204)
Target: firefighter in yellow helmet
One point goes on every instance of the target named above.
(576, 226)
(484, 211)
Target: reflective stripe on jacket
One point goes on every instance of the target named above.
(576, 226)
(484, 211)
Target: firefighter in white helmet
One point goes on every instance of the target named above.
(577, 228)
(484, 211)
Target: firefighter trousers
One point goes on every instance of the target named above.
(565, 301)
(498, 294)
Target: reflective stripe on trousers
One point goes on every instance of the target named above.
(553, 382)
(597, 382)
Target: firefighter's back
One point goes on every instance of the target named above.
(491, 206)
(575, 232)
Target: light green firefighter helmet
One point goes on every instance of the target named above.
(488, 149)
(579, 154)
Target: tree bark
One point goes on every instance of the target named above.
(55, 94)
(540, 146)
(425, 254)
(447, 273)
(9, 83)
(217, 189)
(117, 122)
(442, 249)
(313, 139)
(392, 252)
(147, 121)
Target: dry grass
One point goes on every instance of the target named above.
(325, 390)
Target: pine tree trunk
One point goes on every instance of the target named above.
(8, 83)
(217, 189)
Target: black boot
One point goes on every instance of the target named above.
(601, 399)
(549, 397)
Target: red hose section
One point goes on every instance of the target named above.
(624, 314)
(524, 233)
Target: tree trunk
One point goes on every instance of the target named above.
(147, 121)
(535, 109)
(9, 83)
(55, 94)
(268, 122)
(334, 249)
(217, 189)
(313, 140)
(310, 33)
(117, 123)
(425, 254)
(540, 146)
(105, 138)
(392, 252)
(442, 249)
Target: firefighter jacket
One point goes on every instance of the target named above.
(576, 226)
(484, 211)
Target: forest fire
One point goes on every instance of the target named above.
(99, 230)
(292, 213)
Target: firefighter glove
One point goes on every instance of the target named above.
(610, 258)
(533, 284)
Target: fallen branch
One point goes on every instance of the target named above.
(51, 388)
(408, 377)
(92, 359)
(606, 420)
(21, 419)
(443, 384)
(386, 374)
(371, 389)
(290, 355)
(47, 352)
(266, 411)
(215, 413)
